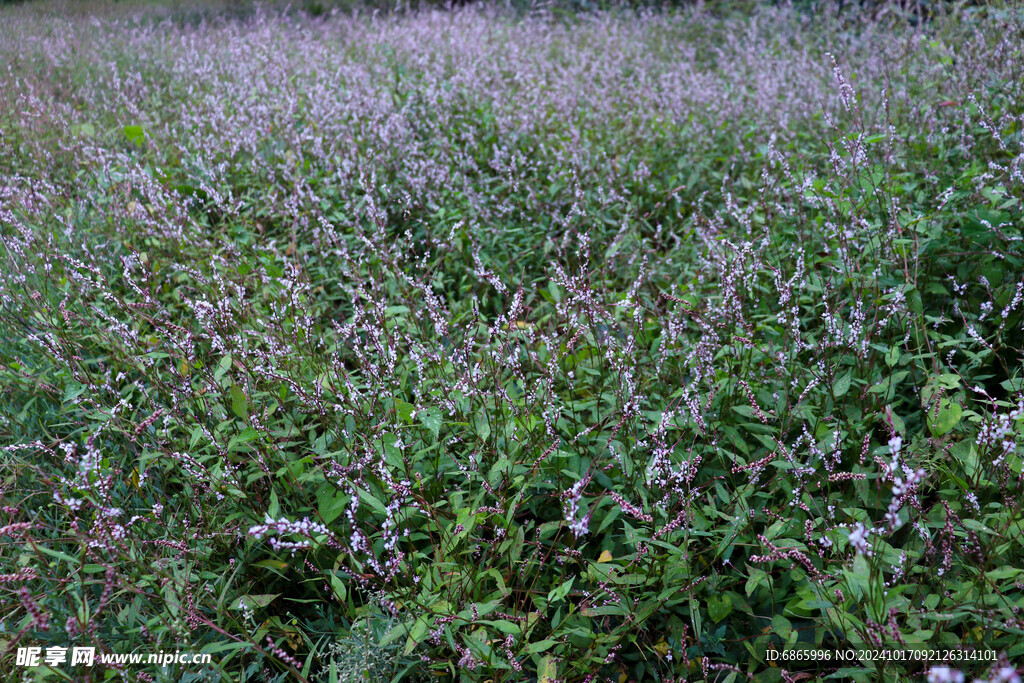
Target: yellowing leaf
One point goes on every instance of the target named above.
(661, 647)
(548, 670)
(520, 324)
(605, 556)
(272, 564)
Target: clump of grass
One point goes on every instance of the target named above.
(452, 343)
(370, 650)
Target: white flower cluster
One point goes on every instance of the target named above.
(943, 674)
(578, 525)
(284, 526)
(859, 539)
(999, 431)
(899, 488)
(895, 446)
(72, 503)
(1001, 674)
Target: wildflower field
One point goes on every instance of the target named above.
(490, 345)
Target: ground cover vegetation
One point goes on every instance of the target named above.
(461, 345)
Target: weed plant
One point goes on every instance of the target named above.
(455, 345)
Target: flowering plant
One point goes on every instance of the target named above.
(628, 347)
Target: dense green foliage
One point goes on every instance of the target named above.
(454, 346)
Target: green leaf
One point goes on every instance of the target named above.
(58, 554)
(781, 626)
(497, 472)
(948, 416)
(331, 504)
(719, 607)
(975, 525)
(757, 577)
(561, 591)
(73, 390)
(416, 634)
(395, 633)
(404, 410)
(222, 367)
(1004, 573)
(273, 270)
(483, 427)
(245, 436)
(1013, 385)
(950, 381)
(504, 626)
(135, 134)
(603, 610)
(431, 419)
(966, 454)
(841, 385)
(239, 403)
(259, 600)
(555, 291)
(888, 384)
(339, 588)
(372, 501)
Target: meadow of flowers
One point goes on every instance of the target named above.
(478, 345)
